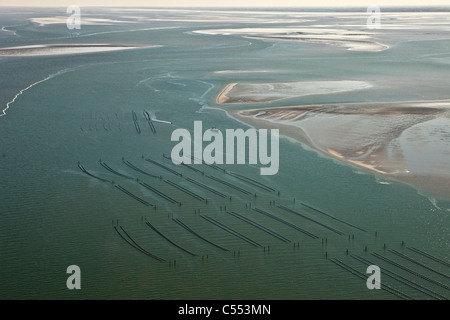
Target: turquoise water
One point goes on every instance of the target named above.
(53, 215)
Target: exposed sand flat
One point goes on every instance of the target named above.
(43, 21)
(62, 49)
(335, 153)
(404, 141)
(349, 39)
(406, 21)
(267, 92)
(223, 98)
(352, 45)
(294, 31)
(233, 20)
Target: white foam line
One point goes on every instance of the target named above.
(8, 31)
(8, 104)
(23, 90)
(201, 100)
(3, 111)
(14, 32)
(144, 80)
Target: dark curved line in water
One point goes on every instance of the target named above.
(90, 174)
(104, 165)
(133, 196)
(250, 181)
(229, 184)
(164, 167)
(196, 234)
(418, 263)
(146, 115)
(216, 167)
(203, 162)
(364, 277)
(152, 126)
(185, 190)
(149, 120)
(184, 164)
(309, 234)
(152, 255)
(173, 243)
(402, 279)
(138, 129)
(259, 226)
(231, 231)
(159, 193)
(129, 164)
(330, 216)
(220, 194)
(411, 271)
(423, 253)
(312, 220)
(137, 246)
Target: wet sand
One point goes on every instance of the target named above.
(222, 97)
(268, 92)
(62, 49)
(44, 21)
(353, 40)
(403, 141)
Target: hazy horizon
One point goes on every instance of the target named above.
(230, 3)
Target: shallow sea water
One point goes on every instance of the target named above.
(53, 215)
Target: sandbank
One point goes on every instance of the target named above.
(268, 92)
(352, 40)
(62, 49)
(403, 141)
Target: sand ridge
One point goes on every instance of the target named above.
(63, 49)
